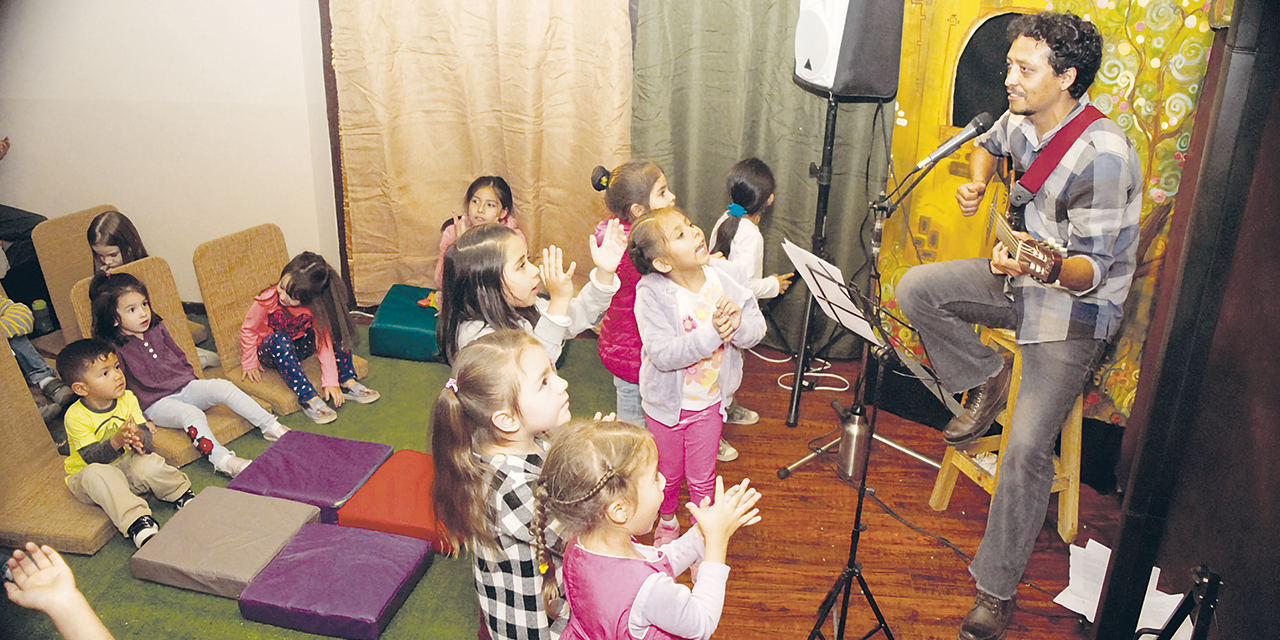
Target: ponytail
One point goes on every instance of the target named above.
(750, 184)
(551, 596)
(462, 428)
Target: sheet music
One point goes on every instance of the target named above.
(832, 295)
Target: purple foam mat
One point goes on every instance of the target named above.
(313, 469)
(337, 581)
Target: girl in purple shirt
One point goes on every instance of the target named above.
(159, 374)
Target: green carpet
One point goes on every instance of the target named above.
(442, 606)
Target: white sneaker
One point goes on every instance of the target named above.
(727, 453)
(356, 392)
(274, 432)
(738, 414)
(231, 465)
(319, 412)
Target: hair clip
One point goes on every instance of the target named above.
(542, 568)
(451, 384)
(736, 210)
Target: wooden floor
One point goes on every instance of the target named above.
(783, 567)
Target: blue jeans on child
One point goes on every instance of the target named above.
(943, 301)
(284, 354)
(628, 407)
(29, 361)
(185, 410)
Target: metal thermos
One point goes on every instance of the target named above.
(855, 437)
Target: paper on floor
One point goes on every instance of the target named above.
(1087, 572)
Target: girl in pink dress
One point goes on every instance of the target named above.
(601, 483)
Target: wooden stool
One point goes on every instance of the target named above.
(1066, 466)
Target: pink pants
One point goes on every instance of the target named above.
(688, 451)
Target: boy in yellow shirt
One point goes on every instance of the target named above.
(109, 440)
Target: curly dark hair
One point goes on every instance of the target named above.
(1072, 41)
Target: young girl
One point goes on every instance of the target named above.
(305, 313)
(490, 284)
(485, 435)
(736, 236)
(695, 316)
(601, 483)
(158, 373)
(115, 242)
(488, 200)
(631, 190)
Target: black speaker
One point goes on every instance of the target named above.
(849, 47)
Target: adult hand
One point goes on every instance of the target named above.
(1002, 262)
(252, 375)
(969, 195)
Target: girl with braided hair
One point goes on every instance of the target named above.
(487, 430)
(601, 484)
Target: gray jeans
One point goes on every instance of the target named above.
(943, 301)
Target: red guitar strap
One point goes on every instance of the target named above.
(1051, 155)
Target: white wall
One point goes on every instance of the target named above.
(195, 119)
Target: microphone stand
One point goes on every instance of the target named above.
(882, 208)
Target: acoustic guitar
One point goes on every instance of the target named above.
(1041, 260)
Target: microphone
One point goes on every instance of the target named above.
(979, 124)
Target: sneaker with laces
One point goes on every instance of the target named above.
(142, 530)
(49, 411)
(231, 465)
(319, 412)
(356, 392)
(274, 432)
(184, 499)
(664, 534)
(738, 414)
(726, 453)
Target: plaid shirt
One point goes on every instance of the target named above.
(507, 578)
(1089, 205)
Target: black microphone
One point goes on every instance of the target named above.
(979, 124)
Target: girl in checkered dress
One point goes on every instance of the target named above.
(486, 435)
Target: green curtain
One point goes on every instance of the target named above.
(713, 85)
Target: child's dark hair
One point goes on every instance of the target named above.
(472, 287)
(750, 184)
(316, 286)
(483, 382)
(590, 465)
(631, 183)
(74, 359)
(647, 242)
(500, 189)
(105, 291)
(113, 229)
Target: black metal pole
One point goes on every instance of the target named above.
(823, 174)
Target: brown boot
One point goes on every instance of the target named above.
(981, 406)
(988, 618)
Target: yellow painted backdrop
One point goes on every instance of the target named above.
(1154, 59)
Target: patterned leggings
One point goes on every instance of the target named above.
(285, 355)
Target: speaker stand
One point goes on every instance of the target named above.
(823, 174)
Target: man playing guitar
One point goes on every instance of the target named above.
(1063, 309)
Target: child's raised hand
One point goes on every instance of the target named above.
(784, 281)
(612, 247)
(612, 417)
(41, 578)
(718, 520)
(252, 375)
(558, 280)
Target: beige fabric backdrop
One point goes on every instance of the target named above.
(431, 95)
